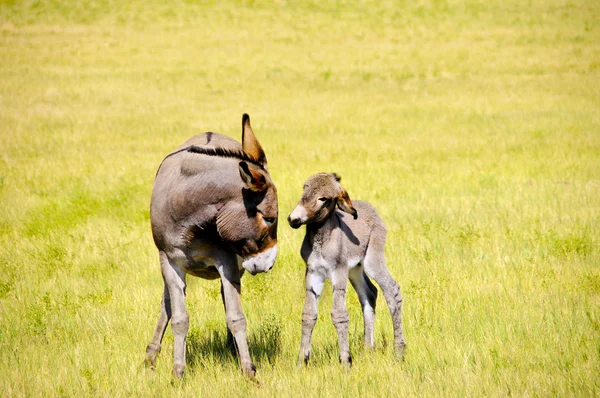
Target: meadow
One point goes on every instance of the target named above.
(472, 126)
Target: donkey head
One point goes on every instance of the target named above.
(250, 225)
(322, 193)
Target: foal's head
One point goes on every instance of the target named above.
(322, 193)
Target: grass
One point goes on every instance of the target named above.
(473, 127)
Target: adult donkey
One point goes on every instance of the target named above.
(213, 214)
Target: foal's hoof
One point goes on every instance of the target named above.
(399, 351)
(303, 359)
(249, 371)
(177, 373)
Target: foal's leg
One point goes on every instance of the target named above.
(236, 321)
(153, 348)
(174, 278)
(339, 312)
(367, 295)
(314, 287)
(376, 268)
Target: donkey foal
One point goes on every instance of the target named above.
(342, 245)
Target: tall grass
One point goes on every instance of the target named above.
(473, 127)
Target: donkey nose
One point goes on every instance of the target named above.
(294, 222)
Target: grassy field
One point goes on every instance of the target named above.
(473, 127)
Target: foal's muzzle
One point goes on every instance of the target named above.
(294, 222)
(297, 217)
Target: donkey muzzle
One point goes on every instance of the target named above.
(261, 262)
(297, 217)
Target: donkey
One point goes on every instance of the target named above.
(342, 245)
(213, 214)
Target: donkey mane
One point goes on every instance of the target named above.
(218, 152)
(224, 153)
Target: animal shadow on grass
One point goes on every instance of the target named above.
(208, 348)
(211, 348)
(265, 340)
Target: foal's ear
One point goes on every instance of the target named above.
(345, 204)
(254, 179)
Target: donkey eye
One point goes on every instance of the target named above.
(269, 220)
(324, 200)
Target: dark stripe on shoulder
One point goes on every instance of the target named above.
(224, 153)
(218, 152)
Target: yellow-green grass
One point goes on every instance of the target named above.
(473, 127)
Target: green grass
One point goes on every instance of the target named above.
(473, 127)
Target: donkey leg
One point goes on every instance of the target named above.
(339, 312)
(153, 348)
(236, 321)
(314, 287)
(175, 281)
(376, 268)
(230, 342)
(367, 295)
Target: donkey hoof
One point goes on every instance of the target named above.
(149, 363)
(151, 355)
(346, 362)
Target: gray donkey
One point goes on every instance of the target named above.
(213, 214)
(342, 245)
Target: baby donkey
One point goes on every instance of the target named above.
(342, 245)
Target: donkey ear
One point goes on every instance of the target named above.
(336, 176)
(250, 144)
(345, 204)
(254, 179)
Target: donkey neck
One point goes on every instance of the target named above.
(317, 233)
